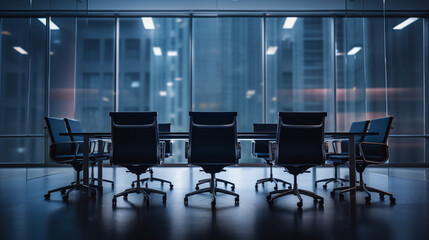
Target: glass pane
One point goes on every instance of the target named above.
(95, 73)
(228, 70)
(154, 68)
(14, 76)
(405, 75)
(407, 150)
(62, 68)
(14, 150)
(300, 67)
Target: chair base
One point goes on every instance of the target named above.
(151, 179)
(93, 180)
(272, 179)
(362, 187)
(76, 186)
(212, 189)
(297, 192)
(207, 180)
(144, 191)
(335, 179)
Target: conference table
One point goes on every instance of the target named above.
(246, 136)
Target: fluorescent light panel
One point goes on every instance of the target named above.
(169, 84)
(405, 23)
(148, 23)
(20, 50)
(354, 50)
(157, 51)
(272, 50)
(162, 93)
(289, 22)
(52, 25)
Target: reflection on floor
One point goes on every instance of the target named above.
(24, 214)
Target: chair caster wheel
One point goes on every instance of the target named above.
(367, 200)
(126, 197)
(299, 204)
(332, 194)
(65, 198)
(284, 184)
(315, 201)
(164, 199)
(63, 192)
(171, 186)
(197, 188)
(342, 184)
(341, 196)
(276, 188)
(381, 196)
(268, 198)
(148, 185)
(114, 202)
(321, 202)
(256, 187)
(392, 200)
(47, 196)
(232, 188)
(237, 201)
(270, 203)
(132, 185)
(213, 203)
(113, 185)
(290, 187)
(185, 201)
(324, 186)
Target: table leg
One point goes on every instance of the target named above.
(352, 168)
(100, 165)
(86, 160)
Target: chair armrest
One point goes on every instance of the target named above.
(371, 149)
(272, 147)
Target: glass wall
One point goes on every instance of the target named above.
(300, 67)
(354, 68)
(154, 64)
(228, 70)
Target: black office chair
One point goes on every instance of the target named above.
(163, 127)
(372, 150)
(74, 126)
(361, 126)
(213, 145)
(299, 146)
(136, 146)
(64, 151)
(260, 150)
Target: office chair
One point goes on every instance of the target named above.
(74, 126)
(213, 145)
(136, 146)
(372, 150)
(298, 147)
(163, 127)
(260, 150)
(361, 126)
(64, 151)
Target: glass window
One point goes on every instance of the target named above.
(154, 68)
(299, 67)
(228, 70)
(94, 73)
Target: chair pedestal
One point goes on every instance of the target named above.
(295, 191)
(207, 180)
(212, 189)
(151, 179)
(92, 179)
(363, 188)
(335, 179)
(272, 179)
(74, 186)
(139, 190)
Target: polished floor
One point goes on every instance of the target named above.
(24, 214)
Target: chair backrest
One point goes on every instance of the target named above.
(300, 139)
(361, 126)
(261, 146)
(381, 126)
(135, 139)
(55, 127)
(166, 128)
(74, 126)
(213, 138)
